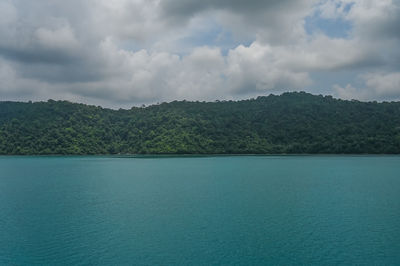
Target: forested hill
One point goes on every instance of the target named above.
(289, 123)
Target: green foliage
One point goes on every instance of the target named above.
(291, 123)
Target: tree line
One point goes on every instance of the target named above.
(292, 123)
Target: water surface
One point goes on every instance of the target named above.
(243, 210)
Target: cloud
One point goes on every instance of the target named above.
(371, 19)
(384, 84)
(378, 86)
(270, 21)
(125, 52)
(256, 68)
(15, 87)
(58, 39)
(8, 14)
(376, 19)
(141, 76)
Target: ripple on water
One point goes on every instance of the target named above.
(205, 211)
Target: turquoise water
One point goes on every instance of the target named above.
(290, 210)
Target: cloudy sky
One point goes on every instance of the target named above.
(119, 53)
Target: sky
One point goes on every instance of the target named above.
(121, 53)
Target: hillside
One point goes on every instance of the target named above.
(289, 123)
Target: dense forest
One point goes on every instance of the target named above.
(292, 123)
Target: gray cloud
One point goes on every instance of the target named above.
(272, 21)
(378, 86)
(125, 52)
(186, 9)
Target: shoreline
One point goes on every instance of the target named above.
(204, 155)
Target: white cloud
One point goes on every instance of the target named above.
(134, 51)
(378, 86)
(256, 68)
(202, 75)
(385, 84)
(371, 19)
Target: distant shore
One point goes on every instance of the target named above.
(291, 123)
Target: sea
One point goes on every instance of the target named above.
(200, 210)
